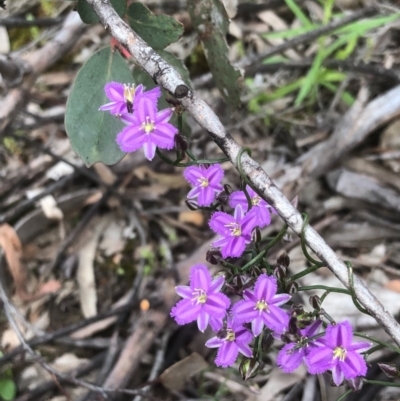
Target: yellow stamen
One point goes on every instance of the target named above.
(255, 200)
(203, 182)
(129, 93)
(236, 230)
(340, 352)
(148, 126)
(200, 296)
(261, 305)
(230, 335)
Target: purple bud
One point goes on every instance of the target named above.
(228, 189)
(297, 309)
(213, 256)
(356, 384)
(292, 287)
(222, 198)
(256, 235)
(292, 329)
(283, 259)
(280, 272)
(181, 143)
(389, 369)
(315, 302)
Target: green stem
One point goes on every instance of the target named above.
(278, 237)
(376, 340)
(303, 242)
(381, 383)
(342, 397)
(304, 272)
(323, 287)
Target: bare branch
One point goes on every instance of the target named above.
(170, 79)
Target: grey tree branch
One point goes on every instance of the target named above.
(170, 79)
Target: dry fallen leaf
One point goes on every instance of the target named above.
(12, 248)
(192, 216)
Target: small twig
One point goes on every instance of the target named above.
(11, 22)
(158, 362)
(23, 206)
(65, 331)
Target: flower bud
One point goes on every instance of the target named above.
(389, 369)
(213, 256)
(292, 328)
(256, 235)
(297, 309)
(222, 198)
(191, 204)
(267, 341)
(181, 143)
(292, 287)
(315, 302)
(356, 384)
(249, 368)
(280, 272)
(283, 259)
(228, 189)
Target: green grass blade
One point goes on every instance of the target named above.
(298, 12)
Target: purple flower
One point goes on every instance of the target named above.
(339, 354)
(124, 97)
(202, 300)
(261, 307)
(147, 128)
(231, 340)
(206, 182)
(260, 206)
(293, 354)
(235, 231)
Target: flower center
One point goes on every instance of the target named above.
(148, 126)
(255, 200)
(340, 352)
(203, 182)
(129, 96)
(261, 305)
(200, 296)
(235, 229)
(230, 335)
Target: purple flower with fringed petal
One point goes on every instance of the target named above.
(293, 354)
(202, 300)
(206, 183)
(124, 97)
(147, 129)
(261, 307)
(259, 205)
(231, 340)
(235, 231)
(339, 354)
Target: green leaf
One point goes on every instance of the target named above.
(8, 389)
(157, 30)
(298, 12)
(88, 16)
(92, 132)
(211, 22)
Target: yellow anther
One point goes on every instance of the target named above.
(340, 352)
